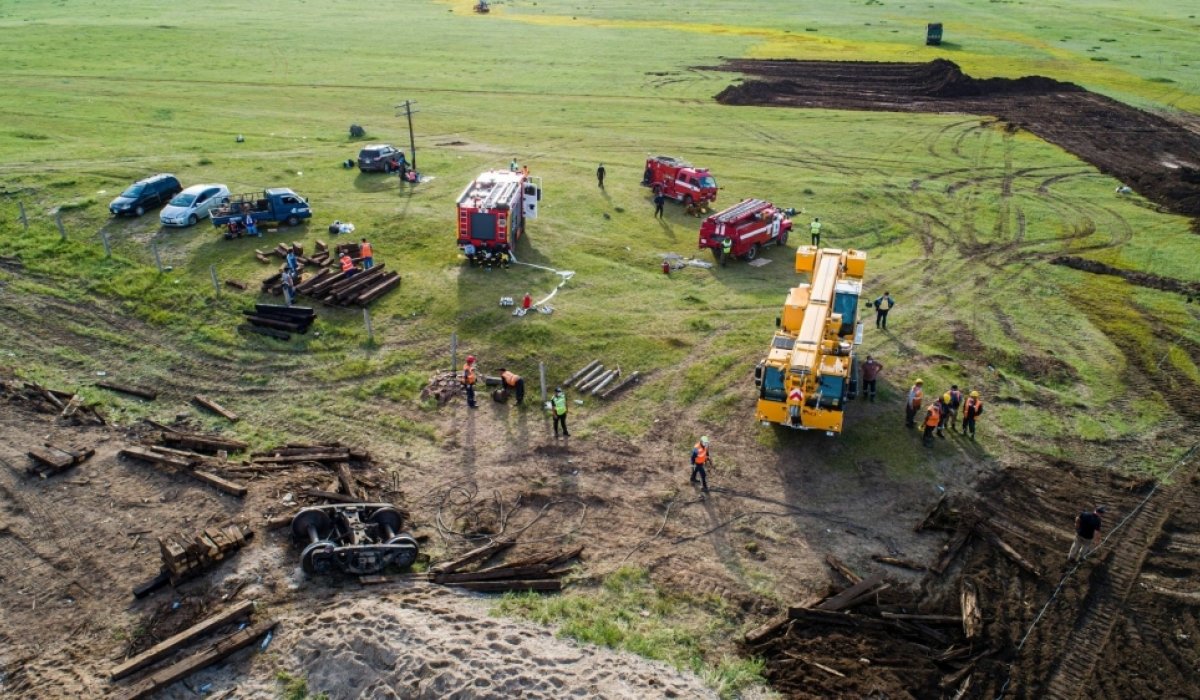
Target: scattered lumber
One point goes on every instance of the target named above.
(935, 619)
(202, 442)
(929, 514)
(187, 462)
(586, 368)
(51, 459)
(38, 398)
(951, 550)
(148, 394)
(990, 535)
(972, 615)
(767, 630)
(230, 487)
(443, 386)
(173, 644)
(240, 286)
(206, 657)
(349, 487)
(902, 563)
(599, 386)
(215, 407)
(839, 566)
(479, 554)
(535, 573)
(632, 379)
(184, 558)
(840, 601)
(332, 496)
(158, 458)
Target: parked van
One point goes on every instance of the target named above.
(143, 194)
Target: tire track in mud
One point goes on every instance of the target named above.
(1112, 584)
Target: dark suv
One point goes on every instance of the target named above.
(380, 157)
(143, 194)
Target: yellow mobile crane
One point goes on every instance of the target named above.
(810, 370)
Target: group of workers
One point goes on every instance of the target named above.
(514, 384)
(290, 276)
(942, 411)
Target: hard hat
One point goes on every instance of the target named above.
(946, 397)
(470, 358)
(704, 441)
(919, 381)
(974, 394)
(558, 389)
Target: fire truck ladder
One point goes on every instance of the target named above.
(738, 211)
(501, 193)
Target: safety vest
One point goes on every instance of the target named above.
(973, 407)
(915, 396)
(727, 245)
(469, 374)
(701, 454)
(560, 404)
(347, 263)
(509, 378)
(934, 417)
(365, 251)
(815, 227)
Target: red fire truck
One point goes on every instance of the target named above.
(750, 224)
(680, 181)
(492, 211)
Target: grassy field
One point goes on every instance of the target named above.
(100, 94)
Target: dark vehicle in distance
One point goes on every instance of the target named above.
(153, 191)
(380, 157)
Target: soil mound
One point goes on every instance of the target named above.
(1155, 156)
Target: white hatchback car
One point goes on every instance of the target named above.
(193, 204)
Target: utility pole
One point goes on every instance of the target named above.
(412, 143)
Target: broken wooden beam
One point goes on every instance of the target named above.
(55, 459)
(147, 587)
(840, 601)
(902, 563)
(925, 522)
(550, 584)
(230, 487)
(156, 457)
(767, 630)
(839, 566)
(475, 555)
(218, 650)
(215, 407)
(972, 615)
(169, 646)
(304, 457)
(346, 479)
(990, 535)
(203, 443)
(951, 550)
(628, 382)
(494, 573)
(148, 394)
(920, 617)
(332, 496)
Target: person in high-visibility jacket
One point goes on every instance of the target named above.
(347, 266)
(468, 380)
(700, 462)
(726, 250)
(367, 255)
(559, 405)
(815, 229)
(514, 383)
(915, 395)
(933, 416)
(971, 410)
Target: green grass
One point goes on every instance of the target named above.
(296, 688)
(628, 612)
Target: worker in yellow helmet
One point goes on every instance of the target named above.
(971, 410)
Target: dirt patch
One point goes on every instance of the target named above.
(1040, 367)
(1141, 279)
(1155, 156)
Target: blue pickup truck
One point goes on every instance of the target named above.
(278, 205)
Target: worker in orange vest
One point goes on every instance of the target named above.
(513, 382)
(367, 255)
(347, 265)
(700, 462)
(933, 416)
(468, 380)
(971, 409)
(915, 395)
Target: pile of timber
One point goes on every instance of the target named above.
(330, 286)
(327, 453)
(443, 385)
(187, 557)
(537, 573)
(278, 321)
(599, 381)
(52, 459)
(195, 454)
(236, 636)
(68, 405)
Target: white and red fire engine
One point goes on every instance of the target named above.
(492, 212)
(750, 224)
(679, 180)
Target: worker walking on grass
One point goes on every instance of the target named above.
(700, 461)
(367, 255)
(559, 405)
(913, 404)
(600, 176)
(882, 306)
(514, 383)
(933, 418)
(469, 378)
(1086, 526)
(659, 200)
(870, 375)
(971, 410)
(815, 229)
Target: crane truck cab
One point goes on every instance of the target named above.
(750, 224)
(811, 370)
(492, 211)
(679, 180)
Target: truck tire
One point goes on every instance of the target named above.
(716, 254)
(752, 253)
(688, 201)
(293, 220)
(782, 240)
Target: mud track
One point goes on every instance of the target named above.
(1155, 156)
